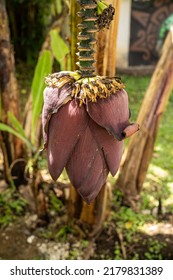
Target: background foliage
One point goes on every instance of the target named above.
(30, 22)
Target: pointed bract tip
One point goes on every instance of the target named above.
(130, 130)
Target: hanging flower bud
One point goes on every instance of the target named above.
(84, 123)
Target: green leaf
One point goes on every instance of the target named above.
(9, 129)
(59, 47)
(43, 68)
(58, 6)
(16, 124)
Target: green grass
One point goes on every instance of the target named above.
(135, 87)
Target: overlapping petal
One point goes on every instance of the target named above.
(111, 113)
(54, 98)
(111, 148)
(65, 128)
(86, 167)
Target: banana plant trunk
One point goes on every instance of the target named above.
(140, 148)
(12, 147)
(95, 213)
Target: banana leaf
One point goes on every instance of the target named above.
(59, 47)
(9, 129)
(43, 68)
(16, 124)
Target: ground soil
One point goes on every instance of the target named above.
(19, 241)
(14, 245)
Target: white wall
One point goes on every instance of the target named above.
(123, 40)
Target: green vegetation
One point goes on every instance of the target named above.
(154, 250)
(136, 87)
(55, 204)
(12, 205)
(132, 242)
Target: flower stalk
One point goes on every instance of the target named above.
(86, 37)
